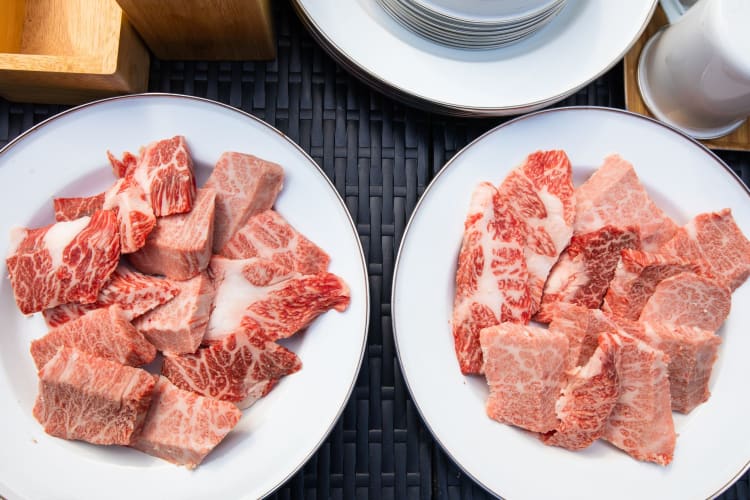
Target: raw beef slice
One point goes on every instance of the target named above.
(182, 427)
(525, 370)
(687, 299)
(542, 195)
(105, 333)
(614, 196)
(245, 185)
(179, 325)
(164, 170)
(257, 291)
(179, 247)
(587, 399)
(692, 352)
(492, 276)
(636, 276)
(270, 236)
(714, 241)
(134, 292)
(241, 369)
(582, 327)
(67, 209)
(92, 399)
(585, 268)
(641, 422)
(63, 262)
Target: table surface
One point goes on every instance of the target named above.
(380, 155)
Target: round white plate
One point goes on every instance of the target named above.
(585, 40)
(484, 11)
(65, 155)
(684, 178)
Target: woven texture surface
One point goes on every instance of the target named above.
(380, 155)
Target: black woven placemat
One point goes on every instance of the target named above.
(380, 155)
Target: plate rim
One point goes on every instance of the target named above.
(434, 105)
(363, 261)
(442, 170)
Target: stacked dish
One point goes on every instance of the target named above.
(473, 24)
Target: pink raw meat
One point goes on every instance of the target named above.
(257, 291)
(585, 268)
(525, 369)
(164, 170)
(641, 422)
(134, 292)
(614, 196)
(245, 185)
(541, 194)
(270, 236)
(582, 327)
(74, 208)
(63, 262)
(127, 199)
(179, 325)
(587, 399)
(92, 399)
(182, 427)
(636, 277)
(687, 299)
(242, 368)
(492, 276)
(714, 241)
(692, 352)
(179, 247)
(105, 333)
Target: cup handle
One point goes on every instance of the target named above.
(674, 9)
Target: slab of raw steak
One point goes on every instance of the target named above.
(491, 270)
(714, 241)
(542, 195)
(127, 199)
(134, 292)
(688, 299)
(270, 236)
(525, 370)
(636, 277)
(179, 325)
(257, 291)
(242, 368)
(87, 398)
(641, 422)
(692, 352)
(585, 268)
(245, 185)
(179, 247)
(164, 170)
(614, 196)
(587, 399)
(63, 262)
(183, 427)
(105, 333)
(582, 327)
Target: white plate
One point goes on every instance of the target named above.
(684, 178)
(65, 155)
(587, 38)
(481, 12)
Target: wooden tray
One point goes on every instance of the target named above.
(739, 140)
(68, 51)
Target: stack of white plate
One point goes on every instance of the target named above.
(473, 24)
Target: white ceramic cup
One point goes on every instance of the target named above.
(695, 73)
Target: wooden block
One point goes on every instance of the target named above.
(68, 51)
(204, 29)
(739, 140)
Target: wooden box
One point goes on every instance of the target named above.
(204, 29)
(68, 51)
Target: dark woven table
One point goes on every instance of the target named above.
(380, 155)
